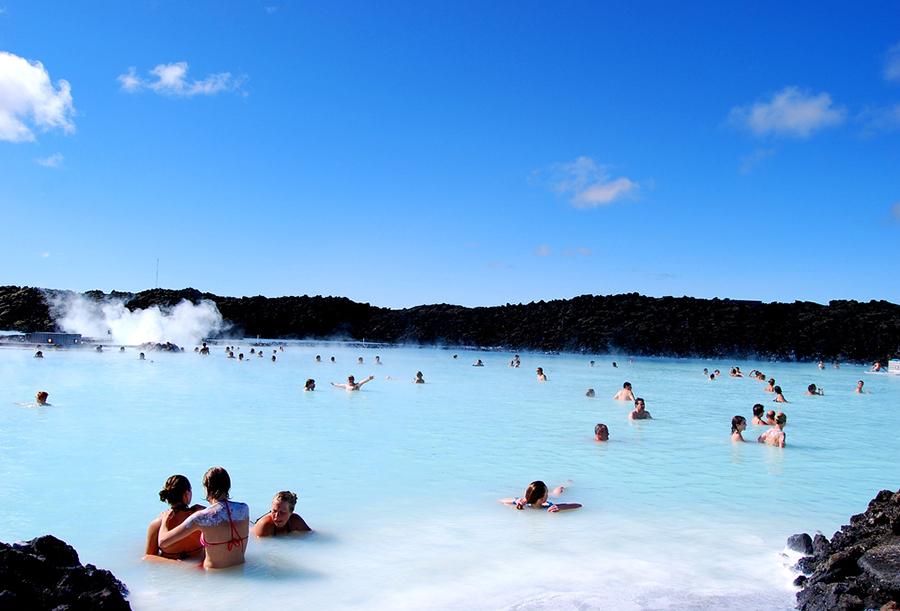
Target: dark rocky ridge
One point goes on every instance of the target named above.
(629, 323)
(45, 573)
(859, 568)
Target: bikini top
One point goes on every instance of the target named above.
(217, 515)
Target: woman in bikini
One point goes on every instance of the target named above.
(224, 527)
(281, 520)
(536, 496)
(177, 493)
(775, 436)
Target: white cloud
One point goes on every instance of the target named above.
(172, 79)
(588, 184)
(271, 9)
(892, 63)
(749, 162)
(880, 119)
(45, 255)
(28, 99)
(53, 161)
(542, 251)
(790, 112)
(583, 251)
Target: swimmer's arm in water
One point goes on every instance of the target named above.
(152, 548)
(519, 503)
(344, 386)
(563, 507)
(168, 537)
(557, 491)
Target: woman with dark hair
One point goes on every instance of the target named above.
(758, 411)
(779, 396)
(177, 493)
(738, 424)
(224, 527)
(536, 496)
(281, 520)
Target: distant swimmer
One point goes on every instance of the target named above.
(141, 356)
(318, 358)
(274, 358)
(352, 384)
(241, 356)
(40, 398)
(38, 355)
(757, 419)
(281, 519)
(615, 364)
(541, 376)
(770, 417)
(821, 365)
(121, 348)
(177, 493)
(420, 379)
(478, 363)
(812, 389)
(359, 361)
(625, 394)
(253, 350)
(859, 388)
(455, 356)
(738, 425)
(705, 372)
(231, 354)
(224, 526)
(310, 385)
(377, 360)
(590, 393)
(775, 436)
(770, 385)
(592, 363)
(779, 396)
(712, 377)
(537, 496)
(99, 348)
(601, 432)
(877, 366)
(640, 412)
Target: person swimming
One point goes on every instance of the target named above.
(590, 393)
(40, 398)
(859, 388)
(541, 376)
(614, 364)
(352, 384)
(601, 432)
(625, 394)
(779, 396)
(640, 412)
(770, 385)
(377, 360)
(536, 496)
(813, 390)
(420, 379)
(281, 519)
(39, 354)
(177, 493)
(770, 418)
(738, 425)
(775, 436)
(757, 419)
(274, 358)
(359, 361)
(318, 358)
(592, 363)
(224, 526)
(310, 385)
(478, 363)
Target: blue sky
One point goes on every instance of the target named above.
(468, 152)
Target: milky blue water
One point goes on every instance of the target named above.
(400, 481)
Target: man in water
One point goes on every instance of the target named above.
(813, 390)
(38, 355)
(601, 432)
(590, 393)
(41, 397)
(639, 413)
(859, 388)
(352, 384)
(625, 394)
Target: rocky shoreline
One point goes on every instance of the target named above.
(859, 567)
(45, 573)
(629, 324)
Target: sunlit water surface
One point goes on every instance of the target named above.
(401, 481)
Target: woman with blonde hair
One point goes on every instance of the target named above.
(281, 520)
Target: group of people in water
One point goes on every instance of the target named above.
(216, 535)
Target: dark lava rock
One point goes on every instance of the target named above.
(157, 347)
(859, 568)
(801, 543)
(45, 573)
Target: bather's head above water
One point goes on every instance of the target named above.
(282, 507)
(536, 493)
(601, 432)
(176, 491)
(217, 483)
(41, 397)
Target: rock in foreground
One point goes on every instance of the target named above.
(859, 568)
(45, 573)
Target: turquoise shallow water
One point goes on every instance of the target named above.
(400, 481)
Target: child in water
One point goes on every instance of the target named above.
(536, 496)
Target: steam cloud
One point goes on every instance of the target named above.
(109, 320)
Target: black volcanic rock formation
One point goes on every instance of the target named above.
(629, 323)
(45, 573)
(859, 568)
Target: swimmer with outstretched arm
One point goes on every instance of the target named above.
(352, 384)
(536, 496)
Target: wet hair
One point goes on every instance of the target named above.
(758, 410)
(859, 382)
(419, 374)
(777, 390)
(639, 400)
(601, 428)
(626, 385)
(736, 422)
(217, 483)
(351, 379)
(770, 413)
(42, 395)
(535, 492)
(781, 418)
(811, 388)
(310, 383)
(590, 392)
(771, 381)
(286, 496)
(174, 489)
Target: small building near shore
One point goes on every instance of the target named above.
(54, 339)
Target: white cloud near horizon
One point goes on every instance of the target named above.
(53, 161)
(45, 255)
(542, 251)
(892, 63)
(789, 112)
(172, 79)
(28, 100)
(751, 161)
(588, 184)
